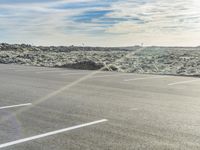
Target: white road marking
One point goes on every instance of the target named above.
(183, 82)
(143, 78)
(33, 69)
(65, 74)
(50, 133)
(111, 75)
(49, 71)
(134, 109)
(13, 106)
(8, 68)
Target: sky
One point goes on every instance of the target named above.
(100, 22)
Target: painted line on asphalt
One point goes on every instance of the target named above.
(134, 109)
(146, 78)
(183, 82)
(52, 71)
(65, 74)
(29, 69)
(14, 106)
(51, 133)
(9, 68)
(111, 75)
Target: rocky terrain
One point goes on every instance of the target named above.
(154, 60)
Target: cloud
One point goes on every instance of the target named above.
(23, 1)
(115, 22)
(86, 4)
(89, 16)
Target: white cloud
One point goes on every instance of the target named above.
(159, 22)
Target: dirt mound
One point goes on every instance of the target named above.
(85, 65)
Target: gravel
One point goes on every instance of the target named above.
(154, 60)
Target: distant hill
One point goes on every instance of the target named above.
(5, 46)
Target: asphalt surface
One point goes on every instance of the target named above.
(63, 109)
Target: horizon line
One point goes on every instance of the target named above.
(123, 46)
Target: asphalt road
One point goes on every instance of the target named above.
(63, 109)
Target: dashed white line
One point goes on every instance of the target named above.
(28, 69)
(8, 69)
(65, 74)
(50, 133)
(134, 109)
(13, 106)
(143, 78)
(111, 75)
(183, 82)
(49, 71)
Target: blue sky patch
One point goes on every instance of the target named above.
(88, 16)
